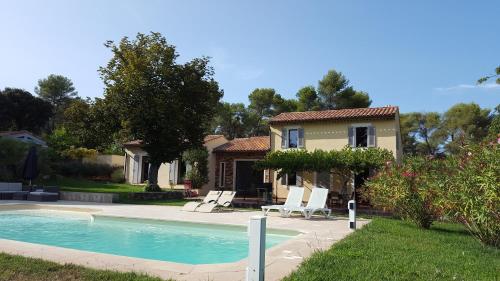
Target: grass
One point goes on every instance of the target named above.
(389, 249)
(82, 185)
(18, 268)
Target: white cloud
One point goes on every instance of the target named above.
(488, 86)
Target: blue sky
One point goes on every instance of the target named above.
(420, 55)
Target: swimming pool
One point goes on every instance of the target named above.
(181, 242)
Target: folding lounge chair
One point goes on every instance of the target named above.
(294, 199)
(225, 200)
(211, 197)
(316, 203)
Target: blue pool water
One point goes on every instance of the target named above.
(181, 242)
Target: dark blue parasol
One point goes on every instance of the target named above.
(30, 170)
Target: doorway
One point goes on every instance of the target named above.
(145, 168)
(247, 179)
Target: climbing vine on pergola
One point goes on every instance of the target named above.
(344, 163)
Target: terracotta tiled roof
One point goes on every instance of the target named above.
(252, 144)
(340, 114)
(206, 139)
(212, 137)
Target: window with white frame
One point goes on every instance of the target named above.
(362, 136)
(222, 173)
(292, 138)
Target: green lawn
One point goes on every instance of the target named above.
(389, 249)
(82, 185)
(17, 268)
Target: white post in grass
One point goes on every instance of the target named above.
(351, 205)
(256, 248)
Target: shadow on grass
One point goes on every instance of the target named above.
(448, 230)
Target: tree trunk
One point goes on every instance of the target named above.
(153, 178)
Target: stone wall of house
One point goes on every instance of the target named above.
(229, 158)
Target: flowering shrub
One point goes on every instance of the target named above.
(464, 187)
(409, 190)
(472, 194)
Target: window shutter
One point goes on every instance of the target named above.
(283, 179)
(301, 137)
(171, 172)
(135, 170)
(267, 178)
(371, 136)
(284, 138)
(350, 136)
(299, 179)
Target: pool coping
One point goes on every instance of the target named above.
(281, 259)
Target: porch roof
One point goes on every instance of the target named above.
(251, 144)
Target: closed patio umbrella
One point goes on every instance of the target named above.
(30, 170)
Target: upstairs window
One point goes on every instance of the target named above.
(362, 136)
(293, 138)
(361, 139)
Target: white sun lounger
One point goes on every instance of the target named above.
(212, 196)
(225, 200)
(294, 199)
(316, 203)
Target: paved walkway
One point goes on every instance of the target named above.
(316, 234)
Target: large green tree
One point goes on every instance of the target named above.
(91, 123)
(420, 132)
(307, 99)
(168, 105)
(264, 104)
(59, 91)
(231, 120)
(335, 93)
(20, 110)
(464, 122)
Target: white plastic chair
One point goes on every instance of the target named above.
(294, 199)
(212, 196)
(225, 200)
(316, 203)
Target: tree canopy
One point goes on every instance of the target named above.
(432, 133)
(58, 90)
(168, 105)
(307, 99)
(335, 93)
(20, 110)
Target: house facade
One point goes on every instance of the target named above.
(333, 130)
(170, 175)
(234, 165)
(231, 162)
